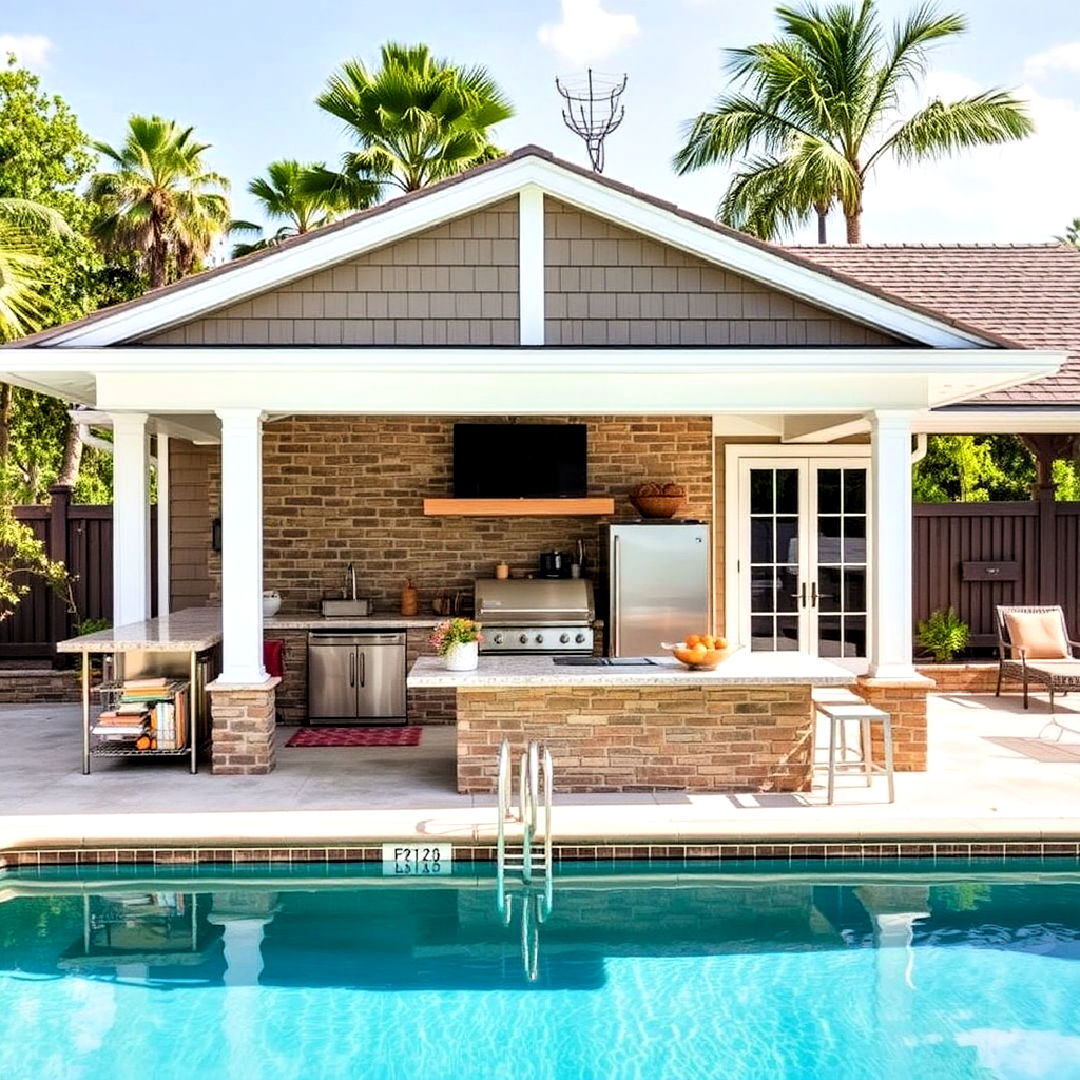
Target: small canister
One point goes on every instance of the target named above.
(502, 571)
(410, 599)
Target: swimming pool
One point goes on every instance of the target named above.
(809, 973)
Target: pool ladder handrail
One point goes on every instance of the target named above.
(536, 784)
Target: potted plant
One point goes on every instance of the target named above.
(457, 641)
(943, 634)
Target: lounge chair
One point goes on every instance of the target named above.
(1034, 646)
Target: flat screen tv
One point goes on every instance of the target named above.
(519, 461)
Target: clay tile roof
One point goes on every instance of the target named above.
(1029, 293)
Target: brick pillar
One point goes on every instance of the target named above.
(905, 702)
(242, 727)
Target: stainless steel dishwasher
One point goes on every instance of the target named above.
(356, 678)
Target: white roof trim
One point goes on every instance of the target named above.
(482, 189)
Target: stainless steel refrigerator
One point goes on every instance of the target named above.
(656, 585)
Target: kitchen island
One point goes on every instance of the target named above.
(747, 726)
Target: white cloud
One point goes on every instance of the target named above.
(31, 49)
(1063, 57)
(587, 32)
(1021, 191)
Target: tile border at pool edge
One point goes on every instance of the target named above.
(464, 853)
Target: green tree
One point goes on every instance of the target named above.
(821, 106)
(284, 199)
(415, 119)
(45, 159)
(159, 203)
(1072, 233)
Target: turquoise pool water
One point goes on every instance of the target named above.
(846, 973)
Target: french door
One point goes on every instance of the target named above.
(802, 572)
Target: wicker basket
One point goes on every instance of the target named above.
(657, 506)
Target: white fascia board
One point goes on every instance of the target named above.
(990, 421)
(983, 366)
(433, 208)
(752, 261)
(289, 263)
(76, 387)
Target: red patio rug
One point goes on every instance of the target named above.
(356, 736)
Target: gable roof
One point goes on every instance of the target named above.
(530, 167)
(1029, 293)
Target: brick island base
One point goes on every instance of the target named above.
(723, 738)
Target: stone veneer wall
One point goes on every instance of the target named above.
(28, 686)
(347, 489)
(643, 738)
(905, 702)
(242, 722)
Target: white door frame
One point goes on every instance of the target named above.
(770, 455)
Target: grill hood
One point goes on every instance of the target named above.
(540, 601)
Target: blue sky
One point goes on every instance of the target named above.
(244, 74)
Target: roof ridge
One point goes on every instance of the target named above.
(935, 246)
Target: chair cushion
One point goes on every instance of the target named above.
(1040, 632)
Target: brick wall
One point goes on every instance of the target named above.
(189, 523)
(29, 686)
(242, 731)
(606, 285)
(351, 489)
(966, 678)
(643, 738)
(456, 284)
(905, 702)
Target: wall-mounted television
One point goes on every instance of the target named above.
(520, 461)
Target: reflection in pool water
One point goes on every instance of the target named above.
(814, 974)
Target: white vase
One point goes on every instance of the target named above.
(464, 656)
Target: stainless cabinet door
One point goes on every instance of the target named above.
(332, 681)
(381, 681)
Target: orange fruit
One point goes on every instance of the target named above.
(708, 640)
(721, 643)
(692, 640)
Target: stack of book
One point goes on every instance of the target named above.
(151, 714)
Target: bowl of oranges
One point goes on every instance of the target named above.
(700, 652)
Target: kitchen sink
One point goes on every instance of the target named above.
(345, 609)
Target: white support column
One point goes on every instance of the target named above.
(241, 546)
(531, 266)
(890, 637)
(131, 519)
(164, 571)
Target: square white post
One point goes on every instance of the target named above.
(890, 612)
(241, 546)
(531, 266)
(164, 568)
(131, 519)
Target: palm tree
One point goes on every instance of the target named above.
(820, 109)
(23, 268)
(1072, 234)
(416, 120)
(160, 202)
(284, 199)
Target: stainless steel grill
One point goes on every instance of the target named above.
(540, 615)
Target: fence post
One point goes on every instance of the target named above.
(1048, 585)
(56, 548)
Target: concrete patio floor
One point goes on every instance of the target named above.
(991, 776)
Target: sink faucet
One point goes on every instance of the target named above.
(350, 583)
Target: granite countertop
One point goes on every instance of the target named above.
(744, 668)
(190, 630)
(311, 621)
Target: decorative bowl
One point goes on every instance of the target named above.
(697, 659)
(271, 603)
(657, 506)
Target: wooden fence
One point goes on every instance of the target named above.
(973, 556)
(80, 536)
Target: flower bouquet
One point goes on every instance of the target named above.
(457, 641)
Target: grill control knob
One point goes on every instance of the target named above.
(580, 639)
(539, 639)
(524, 639)
(497, 639)
(564, 638)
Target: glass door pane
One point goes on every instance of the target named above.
(774, 559)
(840, 564)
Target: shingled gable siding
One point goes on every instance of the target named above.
(606, 285)
(455, 284)
(189, 523)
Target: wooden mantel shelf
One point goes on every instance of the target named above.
(518, 507)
